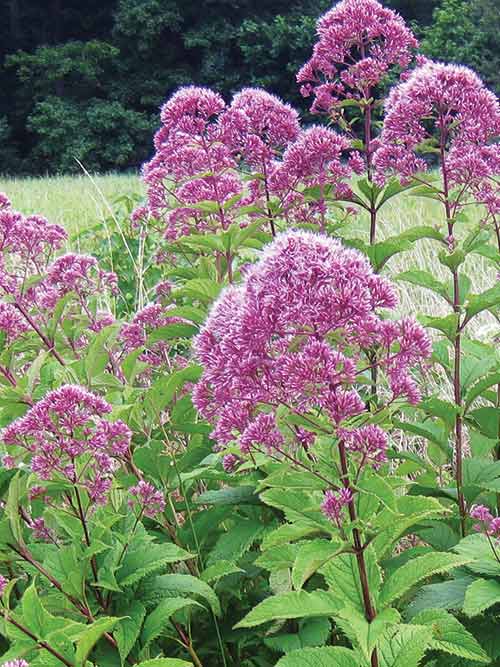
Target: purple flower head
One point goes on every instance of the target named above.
(150, 500)
(359, 41)
(370, 442)
(315, 159)
(230, 462)
(450, 103)
(334, 503)
(16, 663)
(259, 126)
(12, 322)
(41, 531)
(3, 584)
(66, 435)
(295, 333)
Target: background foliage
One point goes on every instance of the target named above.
(86, 79)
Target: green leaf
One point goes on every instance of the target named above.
(342, 576)
(294, 604)
(172, 331)
(158, 619)
(447, 325)
(142, 561)
(444, 595)
(90, 636)
(129, 629)
(403, 646)
(484, 301)
(222, 568)
(478, 550)
(420, 568)
(196, 315)
(481, 595)
(237, 541)
(288, 532)
(449, 635)
(200, 289)
(326, 656)
(163, 390)
(229, 495)
(310, 557)
(426, 280)
(173, 584)
(300, 506)
(477, 389)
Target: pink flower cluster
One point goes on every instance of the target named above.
(451, 104)
(65, 435)
(358, 43)
(11, 322)
(77, 273)
(3, 584)
(295, 334)
(315, 160)
(16, 663)
(134, 335)
(488, 524)
(150, 501)
(199, 149)
(27, 245)
(334, 503)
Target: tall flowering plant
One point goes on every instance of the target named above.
(447, 110)
(360, 45)
(286, 358)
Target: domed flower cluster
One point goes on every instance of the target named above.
(358, 42)
(66, 435)
(299, 333)
(451, 104)
(487, 523)
(149, 500)
(27, 245)
(315, 160)
(199, 148)
(16, 663)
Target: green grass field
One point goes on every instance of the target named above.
(77, 202)
(72, 201)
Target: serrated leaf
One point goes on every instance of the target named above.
(342, 576)
(420, 568)
(173, 584)
(237, 541)
(481, 595)
(478, 550)
(129, 628)
(89, 638)
(222, 568)
(449, 635)
(424, 279)
(158, 619)
(140, 562)
(310, 558)
(484, 301)
(327, 656)
(403, 646)
(444, 595)
(294, 604)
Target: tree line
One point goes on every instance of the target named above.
(85, 80)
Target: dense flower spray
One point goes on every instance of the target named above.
(192, 164)
(296, 334)
(448, 105)
(66, 436)
(315, 160)
(358, 42)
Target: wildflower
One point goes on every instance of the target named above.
(259, 126)
(16, 663)
(369, 441)
(448, 103)
(150, 500)
(4, 201)
(65, 435)
(3, 584)
(334, 503)
(313, 160)
(41, 531)
(359, 41)
(230, 462)
(295, 333)
(12, 322)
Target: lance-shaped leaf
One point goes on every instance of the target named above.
(294, 604)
